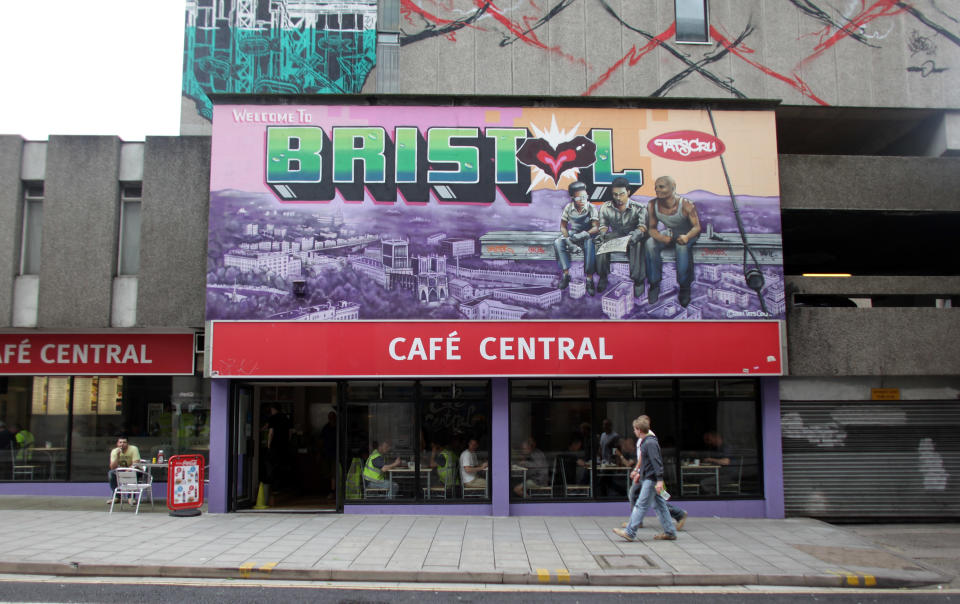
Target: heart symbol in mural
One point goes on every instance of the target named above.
(579, 152)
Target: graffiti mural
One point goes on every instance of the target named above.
(277, 47)
(346, 213)
(738, 44)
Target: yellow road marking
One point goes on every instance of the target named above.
(268, 566)
(563, 575)
(544, 575)
(853, 580)
(869, 581)
(245, 569)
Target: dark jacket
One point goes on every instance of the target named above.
(651, 462)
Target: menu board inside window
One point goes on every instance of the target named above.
(108, 396)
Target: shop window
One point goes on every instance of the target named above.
(157, 413)
(617, 444)
(32, 229)
(36, 414)
(720, 449)
(406, 441)
(568, 449)
(72, 423)
(550, 444)
(128, 262)
(691, 19)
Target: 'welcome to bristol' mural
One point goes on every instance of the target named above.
(325, 213)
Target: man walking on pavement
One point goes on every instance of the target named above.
(651, 476)
(679, 516)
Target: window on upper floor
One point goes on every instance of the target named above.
(128, 262)
(32, 228)
(692, 23)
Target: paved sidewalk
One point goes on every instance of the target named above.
(574, 550)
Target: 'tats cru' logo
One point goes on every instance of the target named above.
(686, 145)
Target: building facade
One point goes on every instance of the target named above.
(110, 239)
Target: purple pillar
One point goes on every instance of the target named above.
(216, 494)
(772, 447)
(500, 447)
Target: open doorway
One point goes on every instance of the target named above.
(284, 446)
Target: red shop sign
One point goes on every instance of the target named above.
(45, 353)
(493, 348)
(686, 145)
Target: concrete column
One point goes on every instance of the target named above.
(217, 495)
(772, 447)
(500, 447)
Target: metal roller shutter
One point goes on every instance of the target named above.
(853, 460)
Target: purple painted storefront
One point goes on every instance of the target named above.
(770, 505)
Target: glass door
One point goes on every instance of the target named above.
(242, 459)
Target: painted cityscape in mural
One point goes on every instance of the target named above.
(277, 47)
(342, 260)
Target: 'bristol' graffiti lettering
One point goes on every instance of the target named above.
(307, 164)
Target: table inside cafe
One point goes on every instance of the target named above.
(697, 472)
(52, 455)
(403, 475)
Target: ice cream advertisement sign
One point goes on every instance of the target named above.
(324, 213)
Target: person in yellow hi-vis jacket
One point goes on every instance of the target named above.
(376, 468)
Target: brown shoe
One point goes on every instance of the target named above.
(624, 525)
(682, 521)
(665, 537)
(623, 533)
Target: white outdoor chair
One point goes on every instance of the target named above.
(20, 470)
(129, 486)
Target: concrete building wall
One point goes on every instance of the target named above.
(799, 53)
(80, 221)
(815, 182)
(11, 152)
(173, 251)
(873, 341)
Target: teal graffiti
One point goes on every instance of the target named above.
(268, 47)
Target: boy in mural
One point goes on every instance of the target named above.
(679, 216)
(623, 217)
(578, 225)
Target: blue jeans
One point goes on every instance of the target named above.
(684, 261)
(676, 513)
(589, 254)
(648, 496)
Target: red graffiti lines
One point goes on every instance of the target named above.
(407, 7)
(525, 35)
(881, 8)
(631, 58)
(741, 50)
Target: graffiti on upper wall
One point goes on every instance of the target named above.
(277, 47)
(825, 24)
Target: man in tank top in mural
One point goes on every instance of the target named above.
(680, 230)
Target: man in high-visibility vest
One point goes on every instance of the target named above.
(445, 461)
(25, 441)
(376, 468)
